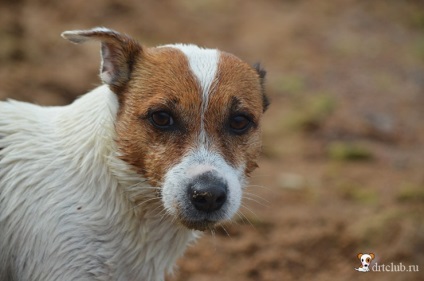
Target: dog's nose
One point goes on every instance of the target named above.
(208, 193)
(208, 198)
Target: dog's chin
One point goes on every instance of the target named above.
(200, 225)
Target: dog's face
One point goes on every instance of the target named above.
(189, 122)
(366, 259)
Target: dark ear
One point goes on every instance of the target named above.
(118, 53)
(262, 73)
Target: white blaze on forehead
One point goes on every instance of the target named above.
(203, 64)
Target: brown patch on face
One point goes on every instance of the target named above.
(237, 91)
(161, 81)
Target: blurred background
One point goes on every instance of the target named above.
(342, 170)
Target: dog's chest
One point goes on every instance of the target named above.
(65, 212)
(92, 237)
(134, 250)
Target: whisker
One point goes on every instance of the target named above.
(257, 197)
(163, 215)
(157, 207)
(248, 209)
(212, 230)
(214, 238)
(225, 230)
(246, 218)
(261, 175)
(259, 186)
(256, 201)
(237, 221)
(131, 189)
(144, 202)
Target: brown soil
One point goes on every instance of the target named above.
(343, 164)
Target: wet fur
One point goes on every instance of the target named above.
(92, 191)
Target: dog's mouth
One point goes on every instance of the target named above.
(197, 218)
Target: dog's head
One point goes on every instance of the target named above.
(366, 259)
(189, 121)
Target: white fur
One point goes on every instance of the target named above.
(79, 36)
(203, 64)
(66, 210)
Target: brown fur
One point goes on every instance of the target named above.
(161, 81)
(237, 81)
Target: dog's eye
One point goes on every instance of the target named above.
(239, 124)
(161, 119)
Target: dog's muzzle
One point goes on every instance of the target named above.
(202, 190)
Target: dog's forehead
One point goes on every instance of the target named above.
(203, 63)
(214, 72)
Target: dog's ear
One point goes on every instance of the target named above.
(372, 255)
(262, 73)
(118, 53)
(359, 255)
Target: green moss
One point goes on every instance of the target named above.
(270, 152)
(417, 18)
(359, 194)
(311, 113)
(291, 84)
(411, 193)
(371, 230)
(348, 152)
(418, 48)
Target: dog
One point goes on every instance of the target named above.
(365, 261)
(115, 185)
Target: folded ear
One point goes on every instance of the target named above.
(118, 53)
(372, 256)
(359, 255)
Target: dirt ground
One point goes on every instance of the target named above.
(343, 165)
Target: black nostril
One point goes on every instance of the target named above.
(209, 195)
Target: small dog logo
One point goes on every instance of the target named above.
(365, 261)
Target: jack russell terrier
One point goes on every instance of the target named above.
(115, 185)
(365, 261)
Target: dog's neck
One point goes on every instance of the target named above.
(151, 241)
(92, 204)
